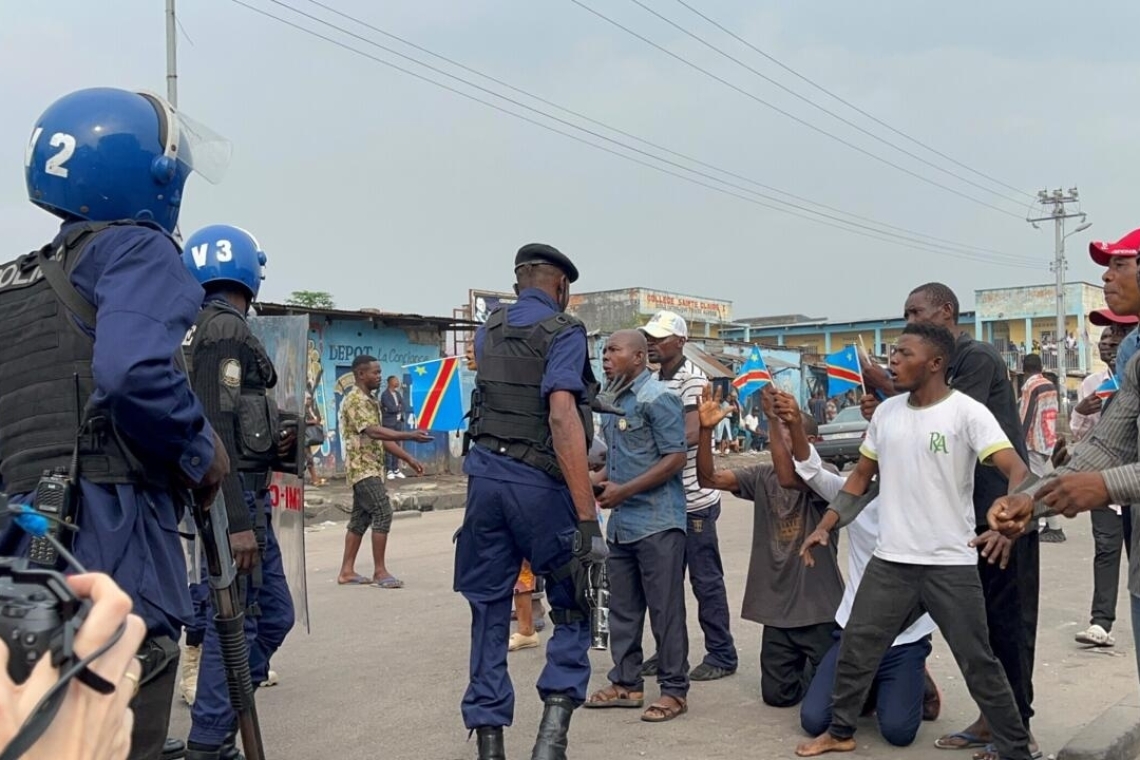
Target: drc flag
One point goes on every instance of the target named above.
(436, 394)
(1108, 388)
(843, 372)
(753, 376)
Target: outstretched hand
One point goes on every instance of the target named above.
(818, 537)
(710, 411)
(606, 400)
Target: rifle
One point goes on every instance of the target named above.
(229, 618)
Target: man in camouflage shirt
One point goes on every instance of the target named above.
(365, 441)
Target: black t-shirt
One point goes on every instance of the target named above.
(979, 371)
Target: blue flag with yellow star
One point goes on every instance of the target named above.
(436, 394)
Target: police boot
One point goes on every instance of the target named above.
(551, 741)
(489, 739)
(194, 753)
(174, 749)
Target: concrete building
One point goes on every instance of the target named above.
(1013, 319)
(607, 311)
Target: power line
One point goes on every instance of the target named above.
(792, 116)
(817, 106)
(642, 140)
(1008, 261)
(851, 105)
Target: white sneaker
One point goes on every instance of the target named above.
(519, 641)
(271, 679)
(400, 474)
(391, 475)
(1095, 636)
(191, 659)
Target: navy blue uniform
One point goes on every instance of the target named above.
(212, 713)
(145, 301)
(268, 604)
(516, 512)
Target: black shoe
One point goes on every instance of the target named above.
(707, 672)
(490, 742)
(1052, 535)
(202, 754)
(551, 742)
(174, 749)
(649, 667)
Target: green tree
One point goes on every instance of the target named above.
(312, 299)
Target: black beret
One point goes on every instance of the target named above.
(541, 253)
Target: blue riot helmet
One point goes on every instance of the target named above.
(224, 253)
(105, 154)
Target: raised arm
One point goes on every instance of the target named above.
(710, 414)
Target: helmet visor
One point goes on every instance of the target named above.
(201, 149)
(193, 144)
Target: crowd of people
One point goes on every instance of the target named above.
(949, 430)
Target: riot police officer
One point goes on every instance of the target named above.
(529, 497)
(91, 392)
(231, 373)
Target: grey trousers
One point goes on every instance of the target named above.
(887, 599)
(649, 574)
(1108, 536)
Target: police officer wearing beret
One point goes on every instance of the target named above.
(91, 391)
(529, 497)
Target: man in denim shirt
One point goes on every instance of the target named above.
(641, 484)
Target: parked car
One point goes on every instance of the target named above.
(842, 437)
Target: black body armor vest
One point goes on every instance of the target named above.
(255, 417)
(509, 414)
(47, 421)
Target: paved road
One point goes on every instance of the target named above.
(382, 672)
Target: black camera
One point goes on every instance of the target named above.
(39, 615)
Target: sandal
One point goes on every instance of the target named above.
(662, 710)
(960, 740)
(615, 696)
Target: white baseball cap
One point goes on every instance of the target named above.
(666, 323)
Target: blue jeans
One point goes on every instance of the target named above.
(897, 692)
(706, 575)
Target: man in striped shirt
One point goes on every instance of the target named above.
(1107, 525)
(1103, 469)
(666, 334)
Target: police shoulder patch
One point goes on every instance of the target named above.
(231, 373)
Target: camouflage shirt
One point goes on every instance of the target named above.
(363, 456)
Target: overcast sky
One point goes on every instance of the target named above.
(391, 193)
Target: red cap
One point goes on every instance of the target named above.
(1129, 245)
(1105, 317)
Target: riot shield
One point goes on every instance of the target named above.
(286, 341)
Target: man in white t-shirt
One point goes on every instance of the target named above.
(923, 445)
(666, 334)
(902, 695)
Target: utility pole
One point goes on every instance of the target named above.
(171, 54)
(1059, 201)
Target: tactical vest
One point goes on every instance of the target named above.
(509, 414)
(256, 417)
(47, 420)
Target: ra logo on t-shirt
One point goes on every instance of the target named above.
(938, 443)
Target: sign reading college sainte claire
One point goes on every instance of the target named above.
(699, 309)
